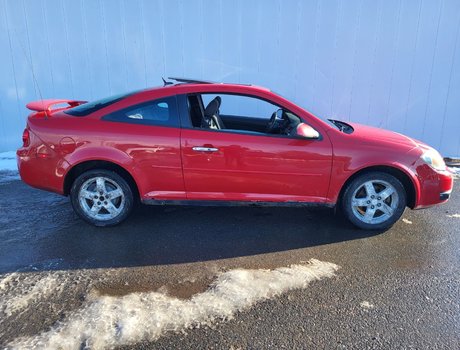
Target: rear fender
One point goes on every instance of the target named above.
(111, 155)
(99, 153)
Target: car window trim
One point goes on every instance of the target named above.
(177, 121)
(233, 131)
(186, 122)
(98, 106)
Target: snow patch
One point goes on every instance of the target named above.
(19, 291)
(407, 221)
(109, 321)
(454, 216)
(366, 305)
(7, 280)
(455, 171)
(8, 167)
(8, 161)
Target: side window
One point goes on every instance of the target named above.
(242, 114)
(242, 105)
(162, 112)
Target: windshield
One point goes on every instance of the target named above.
(90, 107)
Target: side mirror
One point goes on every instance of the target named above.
(306, 131)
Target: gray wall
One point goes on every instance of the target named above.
(393, 64)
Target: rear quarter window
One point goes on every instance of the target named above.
(162, 112)
(91, 107)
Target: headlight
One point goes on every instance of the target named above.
(434, 159)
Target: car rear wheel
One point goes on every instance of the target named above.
(102, 197)
(374, 201)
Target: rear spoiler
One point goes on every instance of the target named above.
(45, 105)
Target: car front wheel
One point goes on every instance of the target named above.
(102, 197)
(374, 201)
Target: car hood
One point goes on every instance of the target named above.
(374, 135)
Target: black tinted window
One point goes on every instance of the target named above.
(158, 112)
(90, 107)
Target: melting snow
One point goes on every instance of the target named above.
(109, 321)
(454, 216)
(407, 221)
(8, 167)
(8, 161)
(31, 289)
(456, 171)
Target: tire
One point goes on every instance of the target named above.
(102, 197)
(374, 201)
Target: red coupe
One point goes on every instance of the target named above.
(203, 143)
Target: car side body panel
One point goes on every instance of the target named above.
(255, 167)
(151, 154)
(245, 168)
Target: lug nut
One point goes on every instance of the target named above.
(368, 202)
(372, 196)
(372, 207)
(98, 203)
(379, 205)
(379, 198)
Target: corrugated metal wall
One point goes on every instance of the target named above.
(389, 63)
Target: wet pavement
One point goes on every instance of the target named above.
(395, 289)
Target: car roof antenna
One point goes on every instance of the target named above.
(31, 67)
(166, 83)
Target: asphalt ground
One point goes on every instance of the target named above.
(394, 289)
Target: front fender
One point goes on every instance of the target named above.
(344, 168)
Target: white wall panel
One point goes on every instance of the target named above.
(388, 63)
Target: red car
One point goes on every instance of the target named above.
(203, 143)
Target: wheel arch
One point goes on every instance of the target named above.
(400, 174)
(84, 166)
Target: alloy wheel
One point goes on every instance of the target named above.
(101, 198)
(374, 202)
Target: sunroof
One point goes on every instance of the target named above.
(192, 81)
(198, 81)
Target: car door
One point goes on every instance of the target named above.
(149, 134)
(235, 165)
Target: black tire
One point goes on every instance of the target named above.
(356, 193)
(119, 208)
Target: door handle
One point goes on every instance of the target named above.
(205, 149)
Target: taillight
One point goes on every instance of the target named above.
(25, 138)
